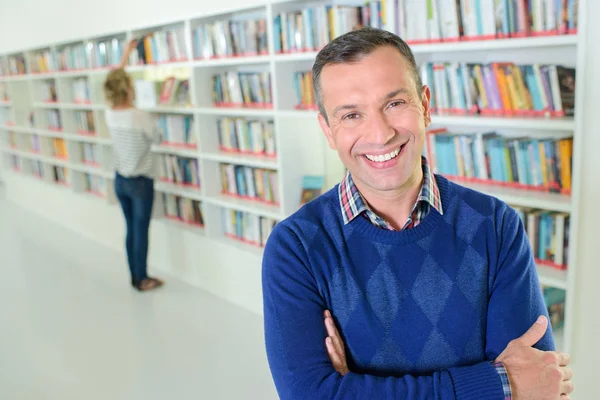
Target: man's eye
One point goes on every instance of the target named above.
(396, 103)
(351, 116)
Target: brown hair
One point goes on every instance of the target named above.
(117, 87)
(353, 46)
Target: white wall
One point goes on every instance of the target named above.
(35, 23)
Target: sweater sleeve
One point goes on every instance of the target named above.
(516, 299)
(150, 127)
(295, 342)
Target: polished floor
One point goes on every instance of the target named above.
(70, 328)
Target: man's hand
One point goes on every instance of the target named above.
(536, 374)
(335, 346)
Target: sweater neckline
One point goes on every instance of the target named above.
(426, 227)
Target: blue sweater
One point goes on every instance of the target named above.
(422, 311)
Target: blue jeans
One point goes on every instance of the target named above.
(136, 196)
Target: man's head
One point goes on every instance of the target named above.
(373, 107)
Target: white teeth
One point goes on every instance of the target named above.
(383, 157)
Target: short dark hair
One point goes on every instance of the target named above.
(352, 47)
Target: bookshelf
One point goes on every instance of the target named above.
(300, 146)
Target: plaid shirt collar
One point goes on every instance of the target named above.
(353, 204)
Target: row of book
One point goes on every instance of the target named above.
(61, 175)
(47, 91)
(37, 169)
(501, 89)
(85, 122)
(247, 89)
(554, 299)
(548, 234)
(14, 162)
(54, 120)
(311, 28)
(42, 61)
(59, 148)
(250, 183)
(239, 135)
(180, 170)
(4, 92)
(452, 20)
(73, 57)
(160, 47)
(105, 53)
(4, 116)
(303, 88)
(183, 209)
(81, 91)
(230, 39)
(16, 65)
(246, 227)
(95, 184)
(528, 163)
(175, 92)
(177, 130)
(91, 154)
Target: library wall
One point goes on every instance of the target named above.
(55, 21)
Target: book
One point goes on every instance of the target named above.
(489, 158)
(246, 136)
(180, 171)
(312, 187)
(183, 209)
(177, 130)
(250, 183)
(246, 227)
(242, 89)
(230, 38)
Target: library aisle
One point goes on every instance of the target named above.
(73, 331)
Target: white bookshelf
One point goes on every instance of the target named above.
(301, 148)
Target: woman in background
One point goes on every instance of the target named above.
(133, 132)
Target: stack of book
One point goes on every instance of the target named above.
(230, 39)
(105, 53)
(43, 61)
(54, 121)
(91, 154)
(305, 95)
(548, 233)
(183, 209)
(242, 89)
(180, 171)
(175, 92)
(81, 91)
(59, 148)
(248, 228)
(12, 140)
(95, 185)
(160, 47)
(14, 162)
(250, 183)
(3, 66)
(33, 144)
(37, 169)
(47, 91)
(555, 303)
(60, 176)
(500, 89)
(4, 116)
(73, 57)
(16, 65)
(524, 163)
(4, 97)
(85, 123)
(453, 20)
(311, 28)
(177, 130)
(239, 135)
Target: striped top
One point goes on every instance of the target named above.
(133, 132)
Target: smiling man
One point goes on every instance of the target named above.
(432, 286)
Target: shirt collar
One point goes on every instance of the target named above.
(353, 204)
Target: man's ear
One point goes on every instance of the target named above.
(327, 131)
(426, 103)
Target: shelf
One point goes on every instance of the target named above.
(238, 244)
(254, 207)
(552, 277)
(169, 110)
(523, 198)
(242, 159)
(298, 113)
(496, 44)
(46, 132)
(87, 138)
(5, 103)
(88, 169)
(195, 229)
(14, 78)
(82, 72)
(144, 67)
(16, 128)
(178, 190)
(559, 339)
(42, 75)
(39, 157)
(300, 56)
(241, 112)
(69, 106)
(180, 151)
(549, 124)
(231, 61)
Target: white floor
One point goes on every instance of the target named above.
(72, 328)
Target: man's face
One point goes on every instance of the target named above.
(377, 119)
